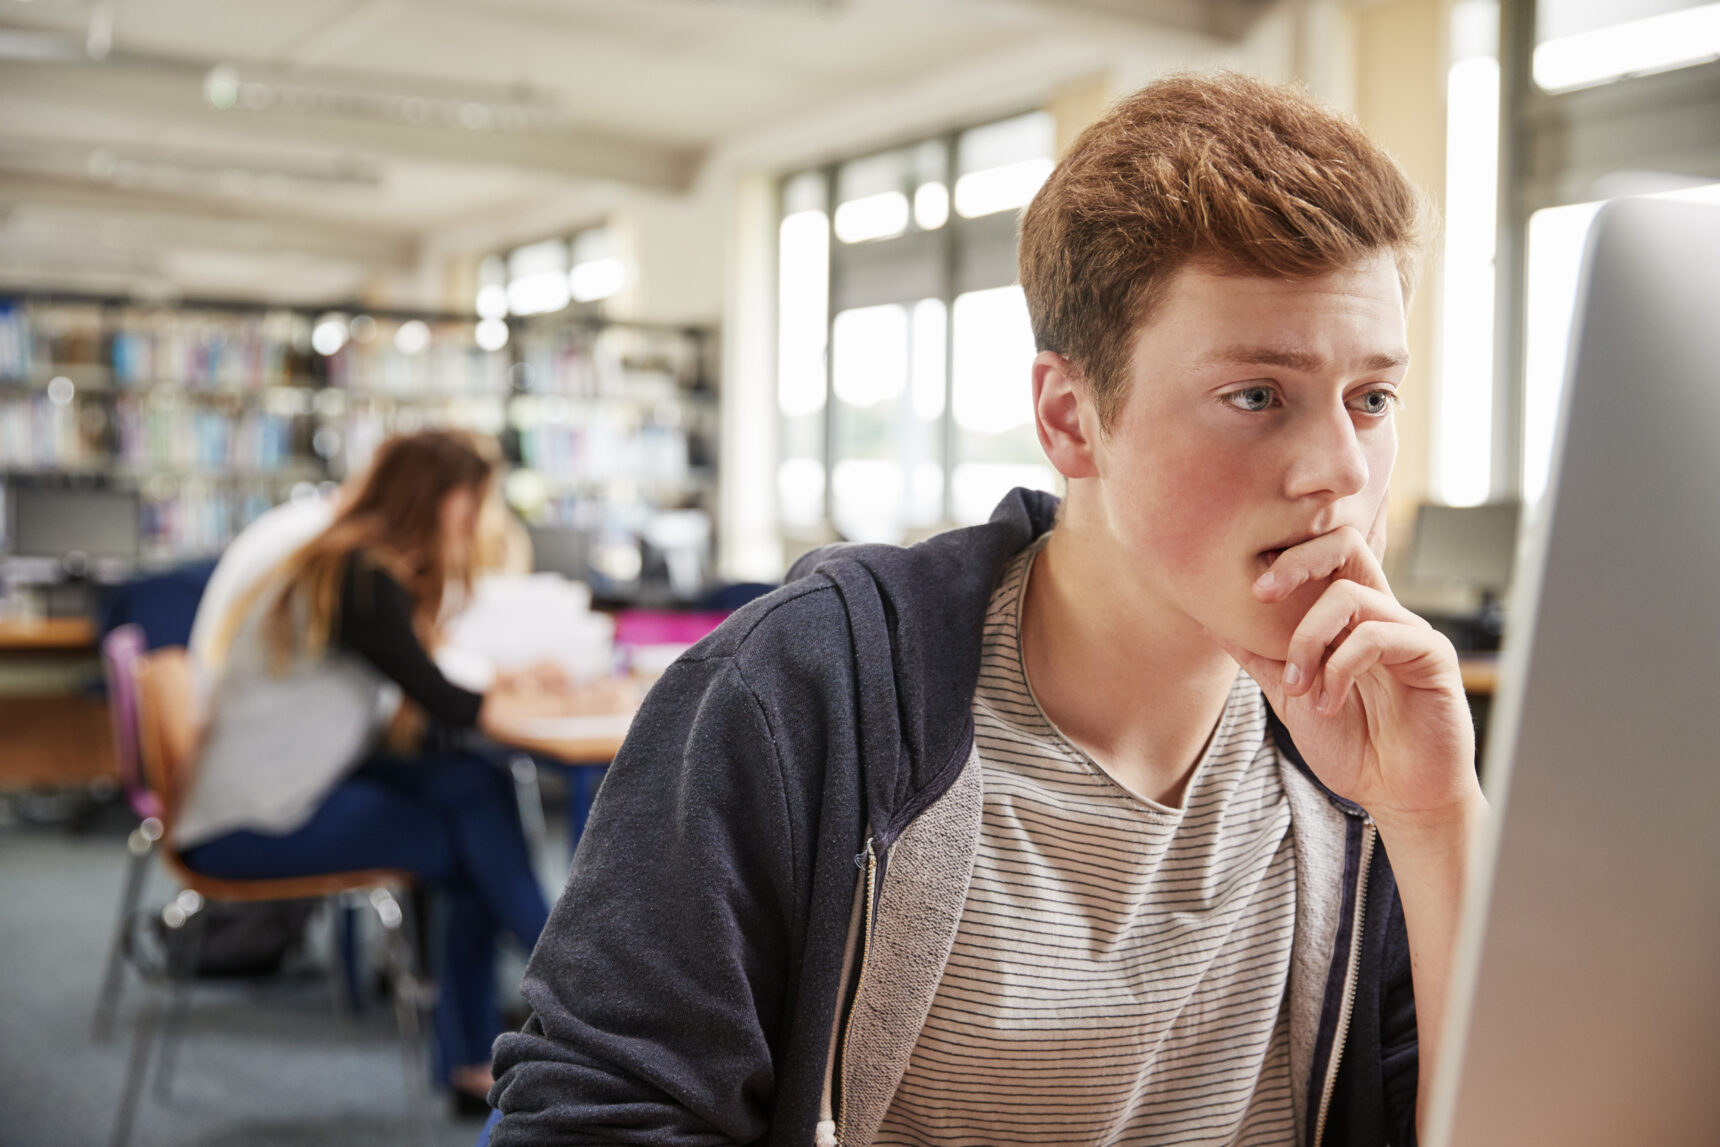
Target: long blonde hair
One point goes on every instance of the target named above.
(394, 520)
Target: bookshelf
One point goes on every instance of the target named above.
(213, 412)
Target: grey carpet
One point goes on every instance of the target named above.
(262, 1064)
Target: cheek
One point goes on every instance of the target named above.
(1191, 503)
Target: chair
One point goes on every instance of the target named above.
(167, 732)
(120, 651)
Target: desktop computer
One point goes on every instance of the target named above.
(1461, 560)
(1585, 1001)
(58, 541)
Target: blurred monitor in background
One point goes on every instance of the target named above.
(1469, 546)
(84, 530)
(1459, 570)
(559, 549)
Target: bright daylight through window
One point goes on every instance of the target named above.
(925, 416)
(1581, 44)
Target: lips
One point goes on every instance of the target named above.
(1267, 556)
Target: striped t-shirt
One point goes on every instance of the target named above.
(1119, 971)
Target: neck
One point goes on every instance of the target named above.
(1130, 680)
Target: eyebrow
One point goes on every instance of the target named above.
(1290, 358)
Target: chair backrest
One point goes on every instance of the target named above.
(120, 651)
(167, 722)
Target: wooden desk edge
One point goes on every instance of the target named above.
(1480, 673)
(573, 751)
(63, 633)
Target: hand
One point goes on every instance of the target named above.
(539, 677)
(1370, 693)
(507, 708)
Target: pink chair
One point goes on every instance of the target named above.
(122, 649)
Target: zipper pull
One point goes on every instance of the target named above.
(860, 859)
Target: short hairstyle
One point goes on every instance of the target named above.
(1217, 168)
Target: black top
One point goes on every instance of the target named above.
(375, 622)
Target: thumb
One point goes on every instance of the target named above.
(1267, 673)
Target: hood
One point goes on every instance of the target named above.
(916, 616)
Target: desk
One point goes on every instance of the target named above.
(1480, 673)
(54, 729)
(583, 743)
(56, 634)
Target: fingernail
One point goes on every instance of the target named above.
(1265, 580)
(1292, 675)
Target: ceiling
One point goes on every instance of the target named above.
(238, 146)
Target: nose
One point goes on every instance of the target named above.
(1326, 456)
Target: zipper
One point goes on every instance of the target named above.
(870, 857)
(1369, 835)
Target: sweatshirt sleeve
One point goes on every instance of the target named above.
(375, 622)
(658, 989)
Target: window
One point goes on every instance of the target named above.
(1463, 400)
(1592, 100)
(1581, 43)
(896, 272)
(543, 277)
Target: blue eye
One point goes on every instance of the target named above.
(1251, 398)
(1377, 402)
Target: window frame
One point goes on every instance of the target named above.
(965, 254)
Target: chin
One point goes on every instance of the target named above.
(1263, 630)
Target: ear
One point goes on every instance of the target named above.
(1063, 415)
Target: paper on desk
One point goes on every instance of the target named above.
(586, 727)
(512, 622)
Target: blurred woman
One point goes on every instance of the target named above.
(291, 777)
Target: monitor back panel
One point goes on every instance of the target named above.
(1591, 995)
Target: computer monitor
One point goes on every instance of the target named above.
(1585, 1002)
(559, 549)
(55, 521)
(1470, 547)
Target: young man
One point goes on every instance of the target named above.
(1109, 888)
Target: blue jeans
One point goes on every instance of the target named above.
(451, 821)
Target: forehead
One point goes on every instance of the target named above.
(1352, 318)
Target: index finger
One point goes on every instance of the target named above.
(1377, 529)
(1341, 553)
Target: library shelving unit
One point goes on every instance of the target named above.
(214, 411)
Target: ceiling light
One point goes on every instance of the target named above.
(221, 87)
(465, 107)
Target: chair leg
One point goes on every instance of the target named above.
(400, 946)
(530, 800)
(140, 845)
(149, 1019)
(137, 1065)
(179, 1000)
(343, 977)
